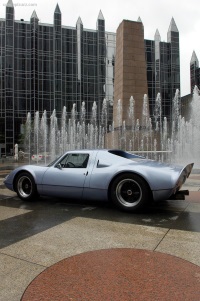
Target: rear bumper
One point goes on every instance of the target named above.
(162, 195)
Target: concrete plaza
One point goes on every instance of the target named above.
(39, 239)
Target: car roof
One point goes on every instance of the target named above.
(116, 152)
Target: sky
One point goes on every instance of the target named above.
(155, 14)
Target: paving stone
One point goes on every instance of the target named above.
(117, 274)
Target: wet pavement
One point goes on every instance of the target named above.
(53, 249)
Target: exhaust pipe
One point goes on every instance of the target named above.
(179, 195)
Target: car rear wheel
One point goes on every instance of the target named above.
(25, 187)
(129, 192)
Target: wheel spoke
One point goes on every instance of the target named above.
(24, 186)
(128, 192)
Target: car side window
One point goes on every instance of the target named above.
(75, 161)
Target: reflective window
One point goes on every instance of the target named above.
(75, 161)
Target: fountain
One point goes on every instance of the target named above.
(154, 139)
(185, 139)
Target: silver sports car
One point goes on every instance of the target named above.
(127, 179)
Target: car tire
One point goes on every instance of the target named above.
(130, 192)
(25, 187)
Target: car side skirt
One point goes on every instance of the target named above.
(95, 194)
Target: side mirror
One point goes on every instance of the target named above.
(58, 166)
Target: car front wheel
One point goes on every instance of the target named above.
(129, 192)
(25, 187)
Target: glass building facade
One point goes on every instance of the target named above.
(163, 69)
(49, 66)
(194, 72)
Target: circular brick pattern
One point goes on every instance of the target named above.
(116, 275)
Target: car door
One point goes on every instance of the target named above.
(67, 178)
